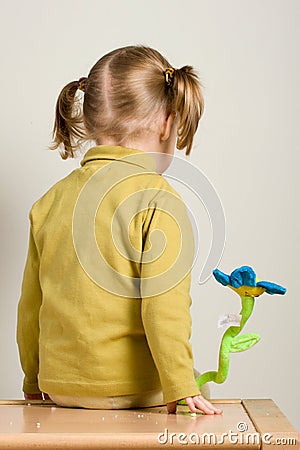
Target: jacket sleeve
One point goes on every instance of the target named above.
(28, 318)
(166, 264)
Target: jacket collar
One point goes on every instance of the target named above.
(116, 152)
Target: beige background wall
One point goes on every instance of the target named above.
(247, 55)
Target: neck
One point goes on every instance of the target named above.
(150, 144)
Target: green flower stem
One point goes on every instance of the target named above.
(224, 352)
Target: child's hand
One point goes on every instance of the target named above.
(196, 403)
(36, 396)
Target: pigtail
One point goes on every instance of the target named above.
(68, 124)
(189, 104)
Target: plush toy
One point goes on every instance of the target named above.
(243, 281)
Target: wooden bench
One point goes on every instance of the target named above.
(247, 424)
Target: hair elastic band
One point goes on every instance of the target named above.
(169, 73)
(81, 83)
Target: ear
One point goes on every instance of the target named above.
(167, 126)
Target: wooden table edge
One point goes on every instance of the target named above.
(260, 411)
(50, 403)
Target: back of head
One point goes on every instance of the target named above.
(126, 94)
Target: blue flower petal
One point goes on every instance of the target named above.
(272, 288)
(221, 277)
(243, 276)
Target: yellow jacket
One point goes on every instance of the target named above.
(105, 303)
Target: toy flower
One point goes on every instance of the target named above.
(243, 281)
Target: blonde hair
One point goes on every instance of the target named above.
(125, 95)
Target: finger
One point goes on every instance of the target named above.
(191, 404)
(205, 406)
(171, 407)
(200, 404)
(211, 406)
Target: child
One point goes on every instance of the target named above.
(101, 324)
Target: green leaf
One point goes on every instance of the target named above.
(242, 343)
